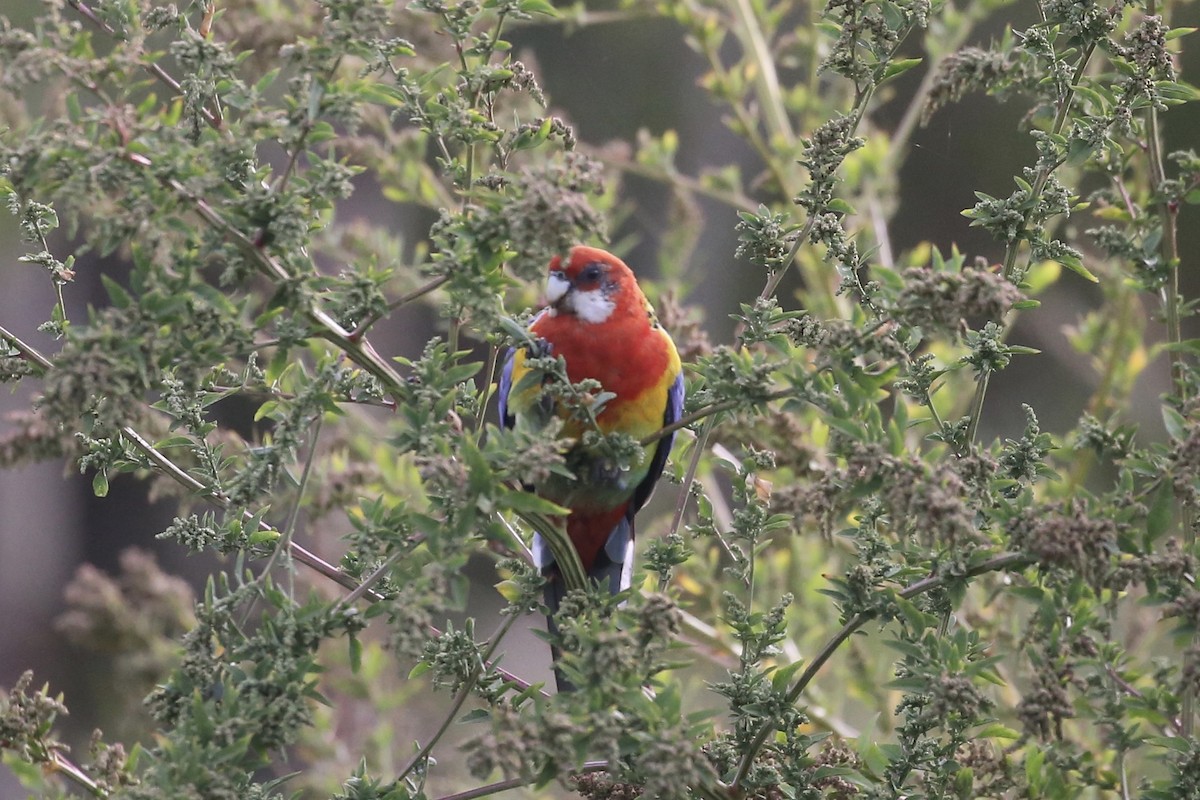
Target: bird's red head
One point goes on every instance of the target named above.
(593, 285)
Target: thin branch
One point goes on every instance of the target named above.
(61, 764)
(364, 588)
(770, 95)
(357, 349)
(463, 693)
(180, 476)
(27, 351)
(289, 530)
(515, 783)
(361, 329)
(213, 119)
(689, 476)
(1175, 723)
(422, 754)
(708, 411)
(734, 199)
(975, 412)
(1168, 212)
(1004, 561)
(488, 370)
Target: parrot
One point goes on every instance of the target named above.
(601, 324)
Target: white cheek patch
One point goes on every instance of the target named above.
(592, 306)
(556, 286)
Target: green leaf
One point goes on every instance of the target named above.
(509, 590)
(28, 775)
(851, 429)
(538, 7)
(1186, 346)
(1092, 96)
(1159, 518)
(997, 731)
(173, 441)
(476, 715)
(839, 206)
(529, 503)
(266, 409)
(781, 680)
(100, 484)
(1177, 743)
(74, 109)
(1078, 268)
(899, 68)
(116, 293)
(1174, 422)
(461, 372)
(263, 536)
(1178, 91)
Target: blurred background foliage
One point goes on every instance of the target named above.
(249, 189)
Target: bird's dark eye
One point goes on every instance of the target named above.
(590, 273)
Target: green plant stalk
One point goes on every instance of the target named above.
(975, 411)
(486, 395)
(287, 534)
(746, 120)
(689, 476)
(722, 517)
(565, 554)
(770, 96)
(58, 292)
(1170, 253)
(515, 783)
(290, 530)
(749, 33)
(356, 348)
(734, 198)
(1004, 561)
(814, 275)
(470, 150)
(464, 692)
(298, 147)
(361, 329)
(1102, 397)
(212, 118)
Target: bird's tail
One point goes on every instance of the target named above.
(612, 568)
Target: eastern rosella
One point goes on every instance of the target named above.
(600, 322)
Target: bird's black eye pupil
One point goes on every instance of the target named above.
(591, 273)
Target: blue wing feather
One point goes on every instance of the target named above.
(505, 386)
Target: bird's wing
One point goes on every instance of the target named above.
(658, 461)
(506, 381)
(512, 372)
